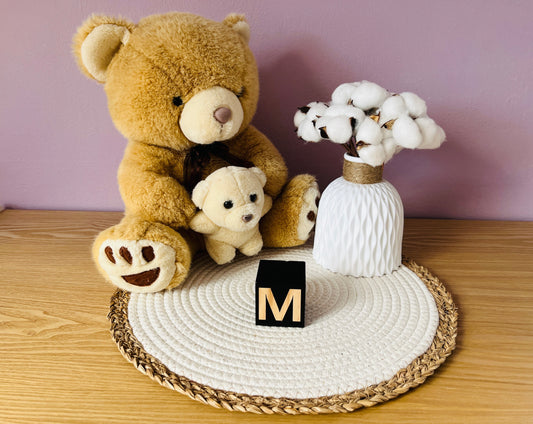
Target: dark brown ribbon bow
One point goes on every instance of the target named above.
(198, 158)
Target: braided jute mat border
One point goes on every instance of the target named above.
(411, 376)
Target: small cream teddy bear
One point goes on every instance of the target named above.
(232, 202)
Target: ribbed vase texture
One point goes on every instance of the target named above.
(359, 229)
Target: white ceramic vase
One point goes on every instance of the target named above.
(359, 225)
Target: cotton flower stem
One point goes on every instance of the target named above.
(350, 147)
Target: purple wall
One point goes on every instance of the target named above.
(471, 60)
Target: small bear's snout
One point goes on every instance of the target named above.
(247, 218)
(222, 114)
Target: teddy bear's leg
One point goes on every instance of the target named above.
(220, 252)
(293, 213)
(252, 246)
(142, 256)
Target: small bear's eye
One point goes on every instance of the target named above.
(241, 93)
(177, 101)
(253, 197)
(228, 204)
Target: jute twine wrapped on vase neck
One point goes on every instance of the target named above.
(355, 171)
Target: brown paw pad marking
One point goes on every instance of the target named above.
(148, 253)
(142, 279)
(311, 216)
(126, 254)
(109, 253)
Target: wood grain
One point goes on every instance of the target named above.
(59, 365)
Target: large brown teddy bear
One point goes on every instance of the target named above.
(183, 90)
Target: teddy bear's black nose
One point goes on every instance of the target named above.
(247, 218)
(222, 114)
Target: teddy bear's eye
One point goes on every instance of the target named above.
(253, 197)
(177, 101)
(228, 204)
(241, 93)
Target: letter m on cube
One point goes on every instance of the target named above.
(280, 293)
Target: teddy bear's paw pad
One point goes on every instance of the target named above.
(307, 217)
(138, 265)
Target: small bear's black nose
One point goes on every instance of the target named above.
(247, 218)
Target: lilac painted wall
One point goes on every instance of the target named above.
(471, 60)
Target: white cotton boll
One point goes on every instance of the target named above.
(316, 109)
(369, 132)
(386, 133)
(322, 122)
(392, 108)
(369, 95)
(390, 147)
(415, 105)
(346, 110)
(308, 132)
(335, 128)
(299, 117)
(359, 116)
(373, 155)
(340, 129)
(432, 135)
(321, 125)
(310, 111)
(406, 132)
(343, 93)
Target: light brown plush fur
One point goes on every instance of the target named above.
(162, 58)
(279, 226)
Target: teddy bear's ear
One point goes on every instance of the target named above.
(260, 174)
(97, 41)
(200, 193)
(238, 23)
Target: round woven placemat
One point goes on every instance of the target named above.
(406, 378)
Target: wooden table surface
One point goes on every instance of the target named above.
(58, 363)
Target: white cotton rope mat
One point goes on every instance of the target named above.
(358, 331)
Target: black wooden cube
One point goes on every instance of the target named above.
(280, 293)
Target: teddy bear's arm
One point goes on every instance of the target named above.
(255, 147)
(202, 224)
(267, 206)
(148, 189)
